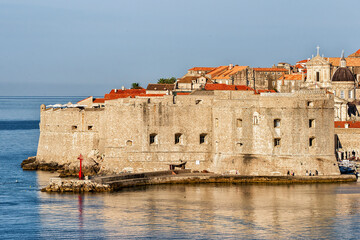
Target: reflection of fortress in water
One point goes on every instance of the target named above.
(240, 211)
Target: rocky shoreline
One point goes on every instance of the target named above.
(75, 186)
(65, 170)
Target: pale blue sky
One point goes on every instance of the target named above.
(87, 47)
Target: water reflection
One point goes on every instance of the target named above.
(208, 211)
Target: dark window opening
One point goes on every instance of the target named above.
(153, 138)
(239, 123)
(317, 76)
(276, 123)
(74, 127)
(311, 141)
(277, 142)
(178, 138)
(90, 127)
(203, 138)
(311, 123)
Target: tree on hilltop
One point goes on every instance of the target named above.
(135, 86)
(171, 80)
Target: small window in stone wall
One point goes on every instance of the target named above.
(276, 123)
(178, 138)
(198, 101)
(311, 142)
(311, 123)
(239, 122)
(90, 127)
(203, 138)
(342, 94)
(277, 142)
(153, 138)
(74, 127)
(129, 143)
(216, 122)
(310, 103)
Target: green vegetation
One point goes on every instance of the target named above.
(171, 80)
(135, 86)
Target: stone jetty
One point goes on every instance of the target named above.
(185, 176)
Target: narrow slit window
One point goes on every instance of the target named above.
(276, 123)
(311, 123)
(153, 138)
(317, 76)
(239, 122)
(74, 127)
(277, 142)
(203, 138)
(311, 142)
(178, 138)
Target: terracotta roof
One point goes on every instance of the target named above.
(183, 93)
(217, 71)
(187, 79)
(218, 86)
(201, 69)
(299, 66)
(228, 72)
(265, 90)
(355, 54)
(291, 77)
(303, 61)
(351, 62)
(99, 100)
(270, 70)
(158, 87)
(341, 124)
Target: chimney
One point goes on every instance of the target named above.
(231, 66)
(122, 88)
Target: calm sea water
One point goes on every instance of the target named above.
(317, 211)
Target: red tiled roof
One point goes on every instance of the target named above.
(225, 87)
(341, 124)
(299, 66)
(270, 70)
(99, 100)
(183, 93)
(265, 91)
(158, 87)
(228, 72)
(201, 69)
(355, 54)
(351, 62)
(303, 61)
(187, 79)
(291, 77)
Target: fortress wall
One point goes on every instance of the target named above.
(248, 149)
(135, 119)
(65, 133)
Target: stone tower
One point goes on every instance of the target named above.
(318, 73)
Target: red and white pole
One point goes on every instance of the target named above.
(80, 172)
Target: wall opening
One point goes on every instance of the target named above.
(90, 127)
(276, 123)
(239, 122)
(153, 138)
(277, 142)
(178, 138)
(310, 103)
(311, 142)
(203, 138)
(198, 101)
(74, 127)
(317, 76)
(129, 143)
(311, 123)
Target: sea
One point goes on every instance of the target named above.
(207, 211)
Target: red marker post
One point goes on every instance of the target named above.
(80, 173)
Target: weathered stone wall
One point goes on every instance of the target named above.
(220, 131)
(347, 142)
(66, 133)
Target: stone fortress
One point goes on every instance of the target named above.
(215, 121)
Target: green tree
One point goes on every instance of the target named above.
(135, 86)
(171, 80)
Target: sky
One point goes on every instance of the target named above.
(88, 47)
